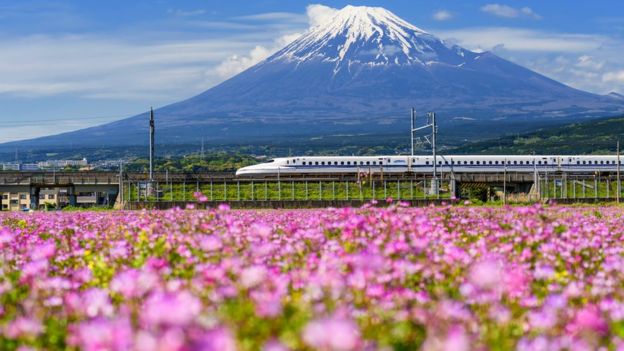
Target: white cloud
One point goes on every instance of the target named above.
(516, 39)
(584, 61)
(186, 13)
(527, 11)
(316, 15)
(442, 15)
(91, 66)
(319, 14)
(509, 12)
(614, 77)
(275, 16)
(238, 63)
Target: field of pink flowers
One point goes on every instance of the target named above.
(445, 278)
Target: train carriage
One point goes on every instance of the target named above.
(306, 165)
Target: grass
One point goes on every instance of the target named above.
(297, 190)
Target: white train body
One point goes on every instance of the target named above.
(424, 164)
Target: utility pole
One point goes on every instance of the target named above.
(505, 183)
(619, 185)
(431, 123)
(121, 199)
(412, 130)
(151, 151)
(434, 127)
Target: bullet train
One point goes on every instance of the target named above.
(424, 164)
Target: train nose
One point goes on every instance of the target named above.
(241, 171)
(247, 170)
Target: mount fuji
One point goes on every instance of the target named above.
(359, 73)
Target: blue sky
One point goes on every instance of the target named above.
(71, 64)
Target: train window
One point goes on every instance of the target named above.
(472, 162)
(446, 162)
(515, 162)
(349, 163)
(287, 162)
(342, 162)
(362, 162)
(323, 163)
(316, 163)
(368, 162)
(478, 162)
(601, 162)
(427, 162)
(294, 161)
(578, 162)
(304, 163)
(374, 162)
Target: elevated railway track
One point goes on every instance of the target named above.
(135, 190)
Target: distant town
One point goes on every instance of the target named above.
(60, 165)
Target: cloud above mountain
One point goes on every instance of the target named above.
(317, 15)
(509, 12)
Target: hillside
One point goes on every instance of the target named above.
(591, 137)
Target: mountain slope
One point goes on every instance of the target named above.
(360, 73)
(597, 136)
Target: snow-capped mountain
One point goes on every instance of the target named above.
(360, 72)
(369, 35)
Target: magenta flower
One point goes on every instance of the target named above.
(102, 334)
(588, 319)
(171, 309)
(332, 333)
(23, 327)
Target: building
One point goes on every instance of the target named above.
(59, 164)
(15, 201)
(11, 166)
(29, 167)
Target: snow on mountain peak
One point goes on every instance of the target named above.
(368, 35)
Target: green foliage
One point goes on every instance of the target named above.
(591, 137)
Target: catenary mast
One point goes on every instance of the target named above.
(151, 151)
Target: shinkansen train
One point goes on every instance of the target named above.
(424, 164)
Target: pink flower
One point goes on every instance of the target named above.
(456, 340)
(336, 334)
(252, 276)
(210, 243)
(43, 251)
(101, 334)
(588, 319)
(486, 274)
(134, 283)
(274, 345)
(173, 309)
(22, 327)
(219, 339)
(96, 303)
